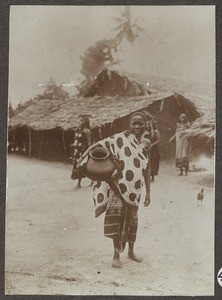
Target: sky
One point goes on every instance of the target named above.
(45, 41)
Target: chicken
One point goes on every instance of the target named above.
(200, 196)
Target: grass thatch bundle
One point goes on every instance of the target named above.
(202, 128)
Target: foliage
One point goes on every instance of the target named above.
(97, 57)
(53, 92)
(127, 28)
(102, 54)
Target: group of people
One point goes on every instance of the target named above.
(83, 139)
(137, 149)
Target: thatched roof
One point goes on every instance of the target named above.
(48, 114)
(203, 128)
(112, 83)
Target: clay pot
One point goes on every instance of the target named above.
(100, 166)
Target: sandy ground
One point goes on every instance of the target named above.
(54, 245)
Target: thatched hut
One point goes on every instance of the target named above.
(45, 129)
(202, 135)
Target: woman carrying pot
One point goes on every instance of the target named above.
(83, 139)
(119, 197)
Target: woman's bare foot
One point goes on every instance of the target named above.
(77, 187)
(116, 263)
(134, 257)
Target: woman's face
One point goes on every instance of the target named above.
(81, 121)
(182, 119)
(137, 125)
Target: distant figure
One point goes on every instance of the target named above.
(182, 144)
(83, 140)
(151, 133)
(200, 197)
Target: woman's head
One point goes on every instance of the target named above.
(84, 121)
(137, 123)
(150, 121)
(183, 118)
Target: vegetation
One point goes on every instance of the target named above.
(127, 27)
(53, 92)
(101, 55)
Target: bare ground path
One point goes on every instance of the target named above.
(54, 245)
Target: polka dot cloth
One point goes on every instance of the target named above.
(126, 147)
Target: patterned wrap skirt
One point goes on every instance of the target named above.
(182, 151)
(121, 220)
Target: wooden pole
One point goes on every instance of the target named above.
(161, 105)
(64, 146)
(41, 144)
(13, 139)
(30, 143)
(100, 132)
(177, 100)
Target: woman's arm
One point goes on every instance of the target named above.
(151, 129)
(173, 137)
(147, 184)
(86, 153)
(89, 149)
(88, 136)
(157, 136)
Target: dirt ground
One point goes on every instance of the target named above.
(54, 244)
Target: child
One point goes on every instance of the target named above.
(147, 143)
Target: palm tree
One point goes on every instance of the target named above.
(128, 28)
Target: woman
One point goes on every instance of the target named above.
(120, 197)
(182, 144)
(83, 140)
(153, 135)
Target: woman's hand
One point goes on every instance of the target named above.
(79, 162)
(147, 199)
(86, 153)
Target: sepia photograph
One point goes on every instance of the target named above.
(111, 150)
